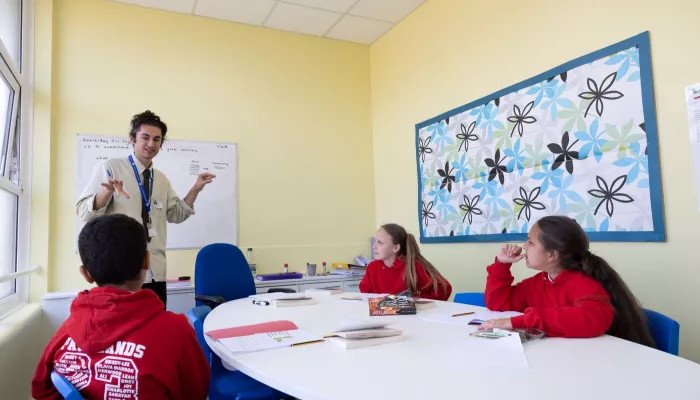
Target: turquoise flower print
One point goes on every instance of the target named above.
(594, 143)
(555, 101)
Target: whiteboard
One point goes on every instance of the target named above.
(216, 208)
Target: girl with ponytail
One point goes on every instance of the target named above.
(398, 265)
(577, 294)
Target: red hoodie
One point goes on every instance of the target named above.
(122, 345)
(572, 305)
(382, 279)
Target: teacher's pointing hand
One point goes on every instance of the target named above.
(203, 180)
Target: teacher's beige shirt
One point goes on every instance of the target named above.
(166, 206)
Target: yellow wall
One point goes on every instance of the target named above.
(298, 107)
(450, 52)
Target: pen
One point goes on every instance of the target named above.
(109, 174)
(466, 313)
(301, 344)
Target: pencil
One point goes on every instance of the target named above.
(466, 313)
(301, 344)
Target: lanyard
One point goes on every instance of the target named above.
(143, 192)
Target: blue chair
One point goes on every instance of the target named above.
(225, 384)
(221, 274)
(664, 330)
(64, 387)
(474, 299)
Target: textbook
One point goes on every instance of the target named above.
(393, 304)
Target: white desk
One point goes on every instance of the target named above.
(428, 363)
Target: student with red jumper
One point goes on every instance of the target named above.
(118, 343)
(398, 265)
(576, 295)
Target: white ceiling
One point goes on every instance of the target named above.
(359, 21)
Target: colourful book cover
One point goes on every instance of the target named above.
(393, 304)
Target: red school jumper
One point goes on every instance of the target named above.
(382, 279)
(572, 305)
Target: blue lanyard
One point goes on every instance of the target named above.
(143, 192)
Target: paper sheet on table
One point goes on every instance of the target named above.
(506, 352)
(692, 102)
(479, 316)
(361, 296)
(267, 341)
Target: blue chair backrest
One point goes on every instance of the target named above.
(664, 330)
(196, 317)
(222, 270)
(474, 299)
(64, 387)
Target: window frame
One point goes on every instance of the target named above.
(20, 74)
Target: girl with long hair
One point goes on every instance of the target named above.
(576, 294)
(399, 265)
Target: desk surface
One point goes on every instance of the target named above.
(429, 363)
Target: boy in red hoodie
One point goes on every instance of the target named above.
(118, 343)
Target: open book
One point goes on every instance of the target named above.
(356, 334)
(260, 337)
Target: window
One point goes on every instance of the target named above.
(15, 106)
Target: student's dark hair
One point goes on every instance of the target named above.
(147, 118)
(566, 237)
(409, 249)
(112, 249)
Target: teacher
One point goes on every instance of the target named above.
(132, 186)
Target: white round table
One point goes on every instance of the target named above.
(430, 363)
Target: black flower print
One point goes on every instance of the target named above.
(528, 201)
(609, 195)
(423, 148)
(426, 214)
(496, 101)
(597, 94)
(466, 136)
(447, 179)
(644, 128)
(565, 154)
(521, 118)
(496, 167)
(470, 207)
(563, 77)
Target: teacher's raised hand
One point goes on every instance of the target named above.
(115, 186)
(203, 180)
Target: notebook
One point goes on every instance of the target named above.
(261, 337)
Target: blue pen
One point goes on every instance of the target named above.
(117, 190)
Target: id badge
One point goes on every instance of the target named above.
(151, 229)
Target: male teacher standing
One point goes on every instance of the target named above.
(131, 186)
